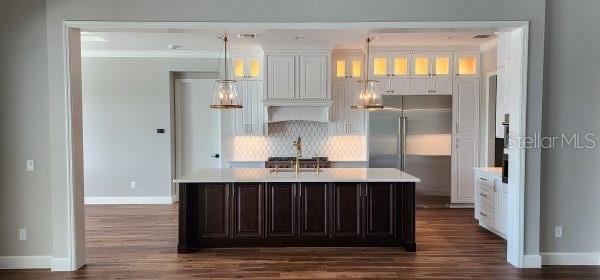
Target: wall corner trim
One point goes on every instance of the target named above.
(532, 261)
(24, 262)
(570, 258)
(128, 200)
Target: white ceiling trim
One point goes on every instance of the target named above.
(489, 45)
(117, 53)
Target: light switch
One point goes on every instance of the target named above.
(558, 231)
(22, 234)
(30, 165)
(133, 184)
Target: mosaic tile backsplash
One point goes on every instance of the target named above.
(315, 141)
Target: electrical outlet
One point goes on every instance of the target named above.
(22, 234)
(133, 184)
(30, 165)
(558, 231)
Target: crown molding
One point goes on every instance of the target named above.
(122, 53)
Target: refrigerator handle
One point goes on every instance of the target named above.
(402, 143)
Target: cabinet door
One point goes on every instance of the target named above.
(420, 66)
(464, 160)
(379, 66)
(340, 68)
(281, 77)
(501, 206)
(354, 64)
(440, 86)
(466, 106)
(239, 67)
(400, 86)
(346, 210)
(314, 210)
(313, 77)
(253, 70)
(380, 210)
(248, 211)
(281, 215)
(441, 65)
(214, 210)
(248, 120)
(419, 86)
(399, 65)
(466, 64)
(339, 110)
(356, 117)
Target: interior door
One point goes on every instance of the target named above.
(197, 127)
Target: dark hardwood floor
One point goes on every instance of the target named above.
(138, 242)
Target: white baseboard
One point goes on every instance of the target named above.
(129, 200)
(532, 261)
(563, 258)
(24, 262)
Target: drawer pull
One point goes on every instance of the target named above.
(482, 214)
(483, 195)
(482, 179)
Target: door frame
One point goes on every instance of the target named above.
(74, 236)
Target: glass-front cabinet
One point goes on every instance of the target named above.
(247, 67)
(425, 65)
(347, 64)
(466, 64)
(389, 65)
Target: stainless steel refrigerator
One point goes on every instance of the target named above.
(414, 134)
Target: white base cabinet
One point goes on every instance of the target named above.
(491, 201)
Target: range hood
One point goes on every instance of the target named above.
(280, 111)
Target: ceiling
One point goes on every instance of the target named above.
(207, 43)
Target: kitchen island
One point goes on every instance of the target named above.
(258, 207)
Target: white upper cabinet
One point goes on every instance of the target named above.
(297, 77)
(389, 65)
(466, 106)
(313, 77)
(347, 121)
(421, 66)
(347, 65)
(466, 65)
(281, 77)
(247, 67)
(249, 119)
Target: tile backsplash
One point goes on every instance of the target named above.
(316, 140)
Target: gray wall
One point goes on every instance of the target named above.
(24, 196)
(571, 181)
(124, 101)
(489, 64)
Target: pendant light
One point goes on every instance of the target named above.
(367, 98)
(225, 94)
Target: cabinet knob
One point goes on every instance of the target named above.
(457, 74)
(393, 74)
(434, 74)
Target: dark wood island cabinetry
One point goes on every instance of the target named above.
(241, 214)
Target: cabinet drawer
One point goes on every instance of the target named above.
(487, 215)
(484, 179)
(486, 195)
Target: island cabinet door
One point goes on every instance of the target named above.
(380, 211)
(281, 206)
(248, 210)
(214, 211)
(314, 211)
(347, 214)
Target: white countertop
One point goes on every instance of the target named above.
(494, 171)
(224, 175)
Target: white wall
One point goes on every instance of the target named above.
(25, 129)
(489, 64)
(571, 181)
(124, 101)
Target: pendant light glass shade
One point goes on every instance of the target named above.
(368, 98)
(225, 93)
